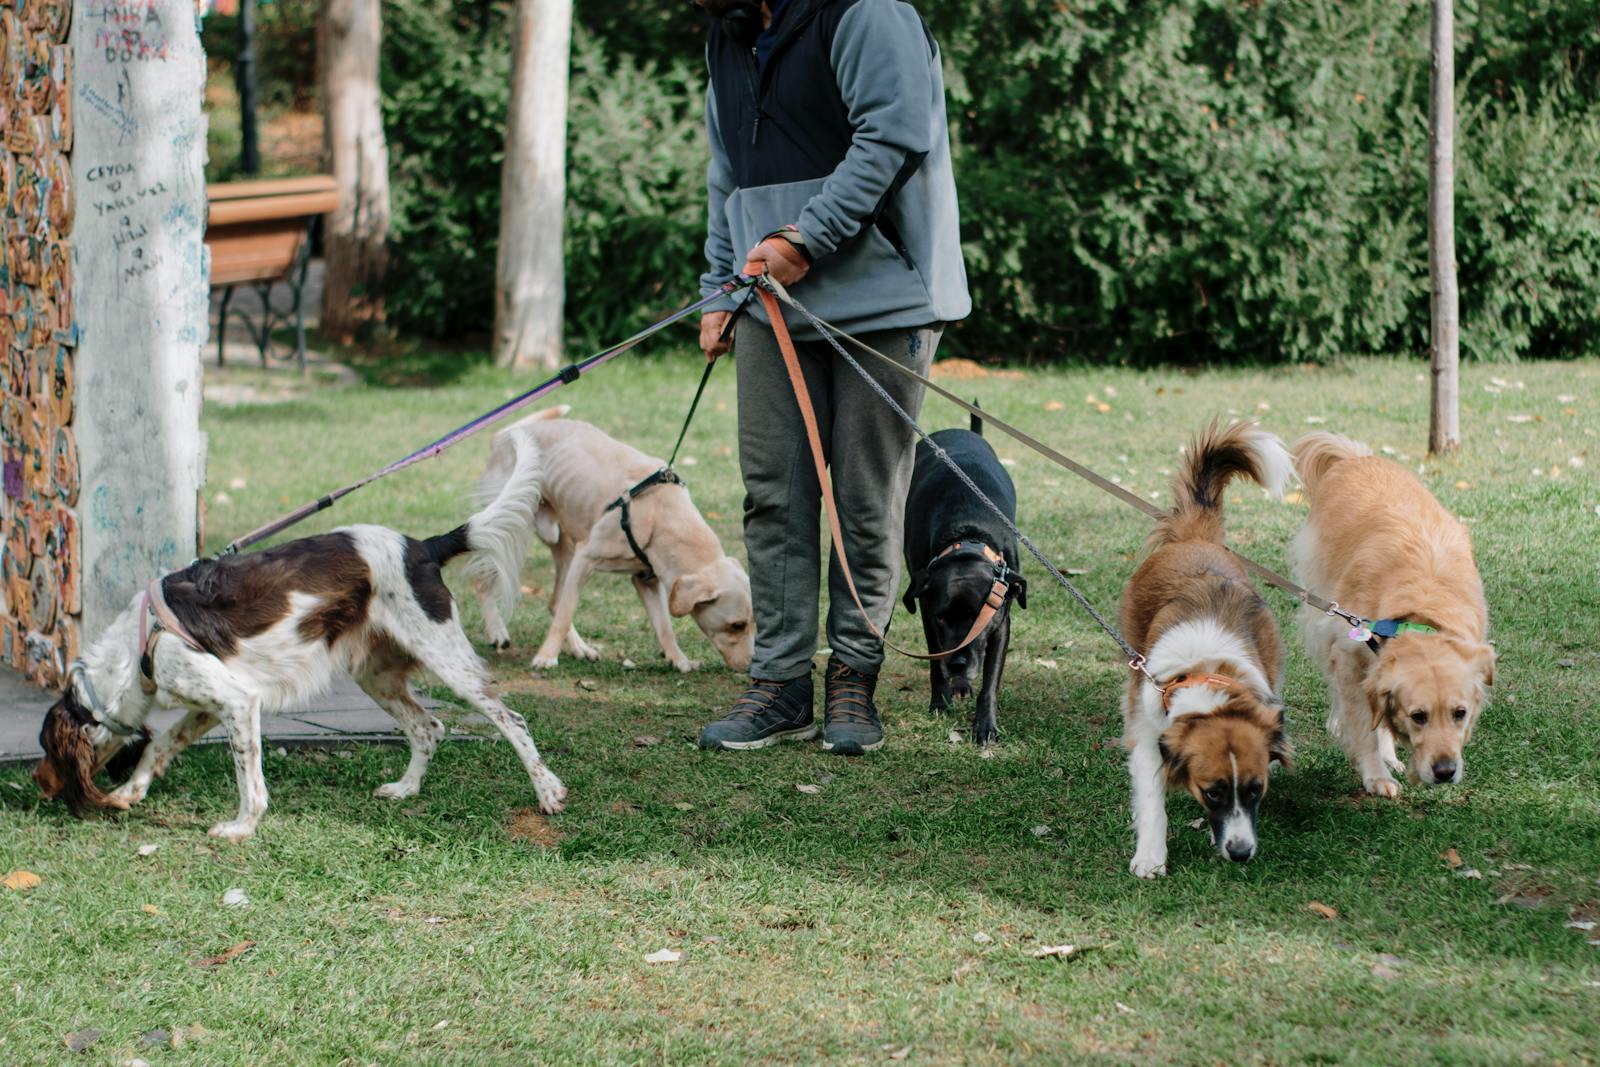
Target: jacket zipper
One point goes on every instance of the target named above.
(755, 95)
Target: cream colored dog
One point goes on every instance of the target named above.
(1380, 545)
(584, 471)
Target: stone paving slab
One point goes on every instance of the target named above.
(343, 715)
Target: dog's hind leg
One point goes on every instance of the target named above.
(160, 753)
(241, 717)
(386, 679)
(494, 626)
(985, 729)
(444, 650)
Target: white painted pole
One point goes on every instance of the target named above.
(1444, 431)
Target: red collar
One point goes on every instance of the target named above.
(1188, 681)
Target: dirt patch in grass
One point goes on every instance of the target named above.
(530, 825)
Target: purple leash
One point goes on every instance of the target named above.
(566, 376)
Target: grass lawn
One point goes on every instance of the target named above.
(897, 907)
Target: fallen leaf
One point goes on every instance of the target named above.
(1315, 420)
(79, 1040)
(809, 790)
(1323, 910)
(136, 1062)
(666, 955)
(714, 516)
(629, 665)
(1384, 972)
(1567, 663)
(646, 741)
(1565, 398)
(982, 938)
(434, 920)
(588, 684)
(148, 850)
(1293, 498)
(900, 1053)
(954, 737)
(149, 909)
(1040, 831)
(1048, 664)
(1469, 872)
(19, 880)
(681, 806)
(441, 1024)
(227, 955)
(1463, 485)
(1123, 1009)
(235, 898)
(987, 753)
(155, 1038)
(1452, 858)
(1581, 924)
(1046, 951)
(711, 939)
(1519, 418)
(1053, 405)
(1197, 824)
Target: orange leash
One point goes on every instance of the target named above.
(802, 394)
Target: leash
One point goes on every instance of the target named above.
(566, 376)
(1358, 624)
(995, 600)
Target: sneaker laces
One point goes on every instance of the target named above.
(850, 695)
(760, 697)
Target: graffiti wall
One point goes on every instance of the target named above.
(41, 556)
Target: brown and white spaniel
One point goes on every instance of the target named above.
(238, 637)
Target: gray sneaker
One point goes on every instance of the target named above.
(850, 725)
(767, 713)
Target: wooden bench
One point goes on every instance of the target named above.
(259, 233)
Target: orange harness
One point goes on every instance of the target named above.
(1190, 681)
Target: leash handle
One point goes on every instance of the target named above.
(996, 599)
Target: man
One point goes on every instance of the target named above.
(830, 163)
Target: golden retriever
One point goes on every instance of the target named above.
(1380, 545)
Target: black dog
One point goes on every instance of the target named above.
(956, 551)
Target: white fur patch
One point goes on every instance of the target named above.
(1276, 464)
(1196, 700)
(1196, 643)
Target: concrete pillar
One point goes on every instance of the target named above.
(139, 291)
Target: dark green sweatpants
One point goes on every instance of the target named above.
(870, 453)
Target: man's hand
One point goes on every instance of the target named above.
(780, 255)
(712, 323)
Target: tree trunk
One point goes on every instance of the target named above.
(530, 283)
(1444, 432)
(349, 39)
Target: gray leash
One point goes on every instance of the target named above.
(1271, 577)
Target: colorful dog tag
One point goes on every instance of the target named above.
(1361, 635)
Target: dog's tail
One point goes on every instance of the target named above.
(499, 535)
(1316, 453)
(1212, 460)
(976, 423)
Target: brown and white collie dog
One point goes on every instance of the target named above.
(1206, 719)
(1380, 545)
(239, 637)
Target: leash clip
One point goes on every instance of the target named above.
(1137, 664)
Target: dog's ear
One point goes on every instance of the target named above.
(1486, 659)
(690, 591)
(1279, 748)
(1174, 762)
(1019, 589)
(1380, 698)
(918, 586)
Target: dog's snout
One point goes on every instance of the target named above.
(1445, 771)
(1240, 851)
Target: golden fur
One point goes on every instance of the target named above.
(1378, 543)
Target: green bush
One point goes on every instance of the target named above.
(1141, 180)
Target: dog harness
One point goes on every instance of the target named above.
(1189, 681)
(1380, 630)
(623, 503)
(993, 600)
(153, 605)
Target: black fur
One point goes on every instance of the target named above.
(424, 559)
(941, 511)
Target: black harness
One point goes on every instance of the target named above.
(623, 503)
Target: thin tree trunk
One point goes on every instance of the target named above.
(349, 40)
(1444, 432)
(530, 283)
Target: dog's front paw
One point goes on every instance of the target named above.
(396, 790)
(582, 649)
(552, 795)
(234, 830)
(125, 797)
(685, 665)
(1148, 867)
(1381, 787)
(501, 644)
(542, 662)
(985, 733)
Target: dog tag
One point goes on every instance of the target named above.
(1361, 635)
